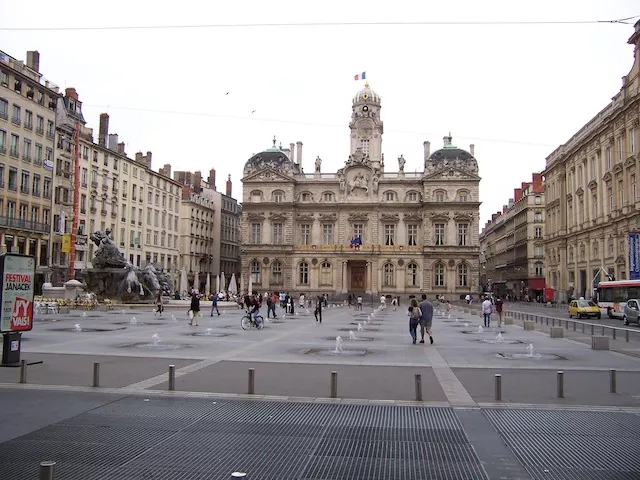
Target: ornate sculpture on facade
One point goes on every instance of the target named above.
(359, 181)
(343, 184)
(318, 164)
(376, 181)
(401, 162)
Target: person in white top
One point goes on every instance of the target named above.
(383, 302)
(487, 309)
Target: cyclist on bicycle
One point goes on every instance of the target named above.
(253, 307)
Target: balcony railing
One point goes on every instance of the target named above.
(19, 223)
(28, 126)
(39, 130)
(26, 157)
(4, 115)
(50, 135)
(15, 120)
(13, 151)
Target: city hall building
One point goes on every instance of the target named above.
(367, 228)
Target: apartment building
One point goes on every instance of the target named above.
(511, 245)
(210, 223)
(592, 202)
(27, 134)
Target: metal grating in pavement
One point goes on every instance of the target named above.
(169, 438)
(571, 445)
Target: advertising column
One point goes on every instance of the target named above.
(16, 300)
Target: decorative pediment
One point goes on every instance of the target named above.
(277, 216)
(630, 162)
(617, 168)
(266, 175)
(328, 217)
(255, 215)
(452, 173)
(620, 260)
(592, 185)
(463, 216)
(305, 217)
(358, 159)
(358, 217)
(607, 177)
(412, 217)
(389, 217)
(579, 191)
(439, 215)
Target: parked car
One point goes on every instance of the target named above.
(584, 308)
(632, 311)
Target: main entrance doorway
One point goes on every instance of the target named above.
(358, 272)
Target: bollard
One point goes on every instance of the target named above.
(47, 470)
(251, 389)
(418, 387)
(612, 380)
(574, 325)
(334, 384)
(498, 378)
(613, 333)
(553, 322)
(96, 374)
(23, 371)
(593, 330)
(602, 330)
(560, 384)
(172, 377)
(626, 335)
(583, 328)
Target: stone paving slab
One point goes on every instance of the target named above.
(540, 386)
(300, 380)
(115, 372)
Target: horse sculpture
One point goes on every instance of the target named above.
(359, 181)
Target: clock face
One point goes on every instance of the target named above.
(365, 129)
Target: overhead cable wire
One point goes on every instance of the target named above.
(623, 21)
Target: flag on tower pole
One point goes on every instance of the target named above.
(360, 76)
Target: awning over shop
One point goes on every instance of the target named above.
(536, 283)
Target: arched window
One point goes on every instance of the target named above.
(276, 273)
(256, 196)
(440, 195)
(463, 275)
(389, 275)
(255, 273)
(463, 196)
(325, 274)
(278, 196)
(412, 275)
(438, 273)
(303, 273)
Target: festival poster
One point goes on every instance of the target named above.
(17, 293)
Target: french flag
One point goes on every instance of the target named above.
(361, 76)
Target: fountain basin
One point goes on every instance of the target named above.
(505, 341)
(365, 327)
(526, 356)
(485, 332)
(86, 329)
(205, 334)
(357, 339)
(345, 352)
(161, 346)
(139, 324)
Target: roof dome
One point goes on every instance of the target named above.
(272, 157)
(450, 152)
(366, 95)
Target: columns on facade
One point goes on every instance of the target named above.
(345, 284)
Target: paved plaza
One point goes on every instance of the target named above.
(133, 427)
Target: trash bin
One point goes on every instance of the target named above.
(11, 348)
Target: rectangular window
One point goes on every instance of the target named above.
(277, 236)
(538, 252)
(463, 234)
(28, 120)
(439, 233)
(305, 234)
(634, 191)
(327, 233)
(358, 231)
(538, 232)
(412, 235)
(83, 203)
(46, 187)
(607, 158)
(537, 217)
(35, 190)
(13, 148)
(24, 182)
(619, 148)
(3, 141)
(621, 193)
(389, 234)
(256, 233)
(4, 109)
(610, 195)
(304, 273)
(39, 125)
(632, 141)
(15, 115)
(364, 144)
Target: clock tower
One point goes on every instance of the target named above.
(366, 126)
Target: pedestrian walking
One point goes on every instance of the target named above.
(426, 318)
(394, 303)
(214, 305)
(159, 306)
(195, 308)
(487, 308)
(414, 314)
(359, 304)
(499, 306)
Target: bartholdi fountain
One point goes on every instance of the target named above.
(113, 277)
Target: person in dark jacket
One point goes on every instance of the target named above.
(214, 305)
(195, 308)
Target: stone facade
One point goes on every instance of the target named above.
(418, 231)
(592, 200)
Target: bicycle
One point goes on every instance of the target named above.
(248, 320)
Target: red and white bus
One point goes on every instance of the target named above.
(613, 296)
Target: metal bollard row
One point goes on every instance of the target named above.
(47, 470)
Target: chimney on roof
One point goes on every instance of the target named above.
(166, 170)
(33, 60)
(472, 150)
(71, 93)
(228, 191)
(212, 179)
(103, 131)
(121, 148)
(427, 150)
(113, 142)
(291, 150)
(148, 159)
(139, 157)
(299, 153)
(197, 182)
(517, 194)
(186, 192)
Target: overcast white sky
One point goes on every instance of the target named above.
(515, 91)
